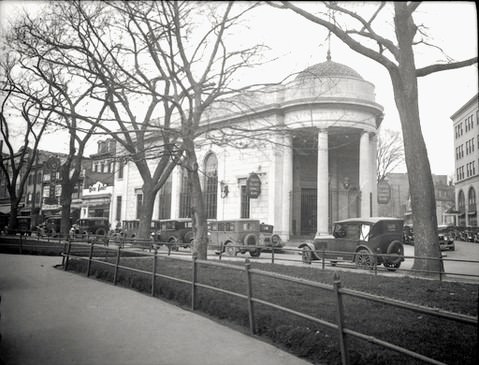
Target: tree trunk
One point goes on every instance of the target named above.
(66, 202)
(421, 187)
(200, 229)
(12, 219)
(146, 211)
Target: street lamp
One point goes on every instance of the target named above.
(347, 186)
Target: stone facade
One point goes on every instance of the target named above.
(466, 146)
(312, 143)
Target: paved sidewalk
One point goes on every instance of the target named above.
(52, 317)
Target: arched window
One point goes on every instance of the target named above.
(211, 185)
(461, 207)
(185, 196)
(471, 207)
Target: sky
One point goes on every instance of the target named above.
(296, 44)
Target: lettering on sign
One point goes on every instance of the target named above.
(384, 192)
(98, 186)
(253, 186)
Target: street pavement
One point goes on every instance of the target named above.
(53, 317)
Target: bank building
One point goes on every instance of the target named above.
(299, 156)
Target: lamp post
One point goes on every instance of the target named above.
(347, 186)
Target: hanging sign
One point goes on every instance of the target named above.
(253, 186)
(384, 192)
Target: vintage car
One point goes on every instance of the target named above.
(98, 226)
(23, 226)
(174, 232)
(446, 242)
(234, 235)
(366, 241)
(267, 238)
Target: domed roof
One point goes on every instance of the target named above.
(328, 69)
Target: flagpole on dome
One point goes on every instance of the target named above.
(328, 57)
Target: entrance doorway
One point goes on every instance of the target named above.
(308, 211)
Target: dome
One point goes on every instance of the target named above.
(328, 69)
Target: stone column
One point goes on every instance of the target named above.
(322, 211)
(365, 174)
(374, 167)
(287, 192)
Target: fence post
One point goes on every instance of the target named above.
(340, 319)
(69, 247)
(89, 259)
(272, 254)
(115, 275)
(21, 244)
(323, 259)
(221, 250)
(153, 273)
(375, 264)
(193, 280)
(64, 250)
(250, 296)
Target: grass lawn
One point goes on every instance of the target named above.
(444, 340)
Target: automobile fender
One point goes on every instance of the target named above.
(311, 246)
(359, 248)
(248, 237)
(188, 236)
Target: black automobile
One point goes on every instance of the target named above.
(446, 241)
(366, 241)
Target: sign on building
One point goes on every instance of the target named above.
(384, 192)
(253, 185)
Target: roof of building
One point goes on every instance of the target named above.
(472, 101)
(328, 69)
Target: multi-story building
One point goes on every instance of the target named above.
(399, 204)
(466, 146)
(98, 182)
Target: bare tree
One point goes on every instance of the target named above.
(15, 166)
(67, 93)
(398, 57)
(390, 153)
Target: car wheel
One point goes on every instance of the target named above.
(307, 255)
(255, 253)
(396, 251)
(100, 232)
(230, 250)
(364, 260)
(173, 244)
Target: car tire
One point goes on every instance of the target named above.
(395, 247)
(230, 250)
(364, 259)
(392, 267)
(307, 254)
(100, 232)
(173, 241)
(255, 253)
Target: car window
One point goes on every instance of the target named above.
(352, 231)
(365, 229)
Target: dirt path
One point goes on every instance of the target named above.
(53, 317)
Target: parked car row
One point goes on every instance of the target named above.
(228, 236)
(446, 236)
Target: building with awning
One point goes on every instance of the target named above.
(96, 200)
